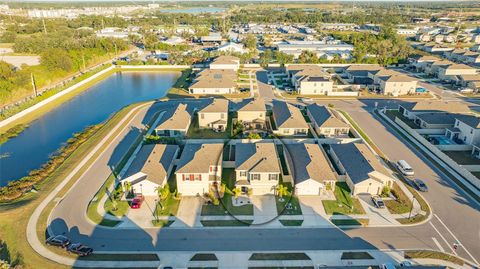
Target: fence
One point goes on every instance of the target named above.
(153, 67)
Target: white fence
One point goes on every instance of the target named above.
(343, 93)
(431, 131)
(472, 167)
(437, 152)
(462, 147)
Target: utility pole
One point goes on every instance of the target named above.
(115, 49)
(33, 85)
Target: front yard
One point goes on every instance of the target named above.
(344, 204)
(226, 207)
(288, 205)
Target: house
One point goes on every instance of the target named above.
(466, 130)
(466, 80)
(309, 79)
(396, 85)
(320, 48)
(409, 110)
(252, 113)
(325, 123)
(150, 169)
(215, 38)
(311, 170)
(257, 167)
(288, 119)
(362, 171)
(174, 40)
(448, 73)
(433, 120)
(175, 122)
(420, 62)
(226, 62)
(199, 168)
(214, 115)
(232, 48)
(359, 74)
(214, 81)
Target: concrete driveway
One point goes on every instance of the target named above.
(313, 212)
(189, 211)
(376, 216)
(140, 217)
(264, 209)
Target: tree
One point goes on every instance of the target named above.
(57, 59)
(128, 186)
(250, 42)
(254, 136)
(236, 192)
(308, 57)
(282, 191)
(163, 192)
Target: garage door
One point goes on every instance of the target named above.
(313, 190)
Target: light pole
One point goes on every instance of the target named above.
(155, 215)
(141, 189)
(410, 214)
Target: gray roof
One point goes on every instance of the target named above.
(309, 162)
(252, 104)
(257, 157)
(287, 115)
(358, 161)
(154, 161)
(470, 120)
(361, 70)
(197, 158)
(216, 105)
(324, 118)
(437, 106)
(177, 118)
(438, 118)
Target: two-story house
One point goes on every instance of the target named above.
(288, 119)
(214, 115)
(466, 130)
(257, 167)
(175, 122)
(309, 79)
(252, 113)
(199, 168)
(325, 123)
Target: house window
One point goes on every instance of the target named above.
(202, 116)
(255, 176)
(213, 168)
(272, 177)
(243, 173)
(222, 116)
(260, 115)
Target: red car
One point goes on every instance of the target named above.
(137, 201)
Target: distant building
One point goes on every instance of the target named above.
(232, 48)
(226, 62)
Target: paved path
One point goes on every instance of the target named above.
(264, 210)
(189, 212)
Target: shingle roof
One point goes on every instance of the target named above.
(197, 158)
(257, 157)
(309, 162)
(324, 118)
(470, 120)
(226, 59)
(358, 161)
(437, 106)
(252, 104)
(397, 78)
(216, 105)
(153, 161)
(287, 115)
(362, 70)
(438, 118)
(215, 78)
(175, 119)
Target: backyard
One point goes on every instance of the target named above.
(463, 157)
(195, 132)
(344, 203)
(226, 206)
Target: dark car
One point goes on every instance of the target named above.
(58, 240)
(421, 186)
(378, 202)
(137, 201)
(80, 250)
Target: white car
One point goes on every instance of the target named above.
(405, 168)
(387, 265)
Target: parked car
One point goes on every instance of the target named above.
(420, 185)
(387, 265)
(58, 240)
(421, 90)
(405, 168)
(79, 249)
(137, 201)
(378, 202)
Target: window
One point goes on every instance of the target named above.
(272, 177)
(192, 177)
(222, 116)
(243, 173)
(260, 115)
(255, 176)
(202, 116)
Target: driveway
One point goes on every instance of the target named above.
(189, 211)
(264, 209)
(313, 212)
(376, 216)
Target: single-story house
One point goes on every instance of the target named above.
(199, 168)
(150, 169)
(257, 167)
(214, 115)
(288, 119)
(252, 113)
(311, 170)
(325, 123)
(363, 172)
(431, 120)
(175, 123)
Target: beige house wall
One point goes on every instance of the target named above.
(249, 116)
(205, 119)
(315, 87)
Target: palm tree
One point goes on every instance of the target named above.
(128, 187)
(281, 191)
(236, 192)
(163, 192)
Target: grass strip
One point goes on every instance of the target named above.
(430, 254)
(225, 223)
(350, 222)
(288, 222)
(120, 257)
(356, 256)
(299, 256)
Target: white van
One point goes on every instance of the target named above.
(405, 168)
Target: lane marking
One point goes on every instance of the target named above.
(445, 240)
(438, 244)
(456, 239)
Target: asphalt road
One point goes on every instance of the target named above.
(458, 215)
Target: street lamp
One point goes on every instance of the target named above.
(155, 215)
(141, 189)
(410, 214)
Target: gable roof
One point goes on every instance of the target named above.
(309, 162)
(361, 70)
(470, 120)
(215, 78)
(226, 59)
(197, 158)
(257, 157)
(175, 119)
(324, 118)
(437, 106)
(358, 161)
(153, 161)
(287, 115)
(252, 104)
(217, 105)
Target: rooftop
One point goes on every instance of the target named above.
(309, 162)
(287, 115)
(257, 157)
(197, 158)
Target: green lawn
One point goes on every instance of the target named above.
(428, 254)
(401, 205)
(295, 206)
(288, 222)
(344, 203)
(169, 207)
(195, 132)
(350, 222)
(226, 206)
(223, 223)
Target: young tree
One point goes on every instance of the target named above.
(282, 190)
